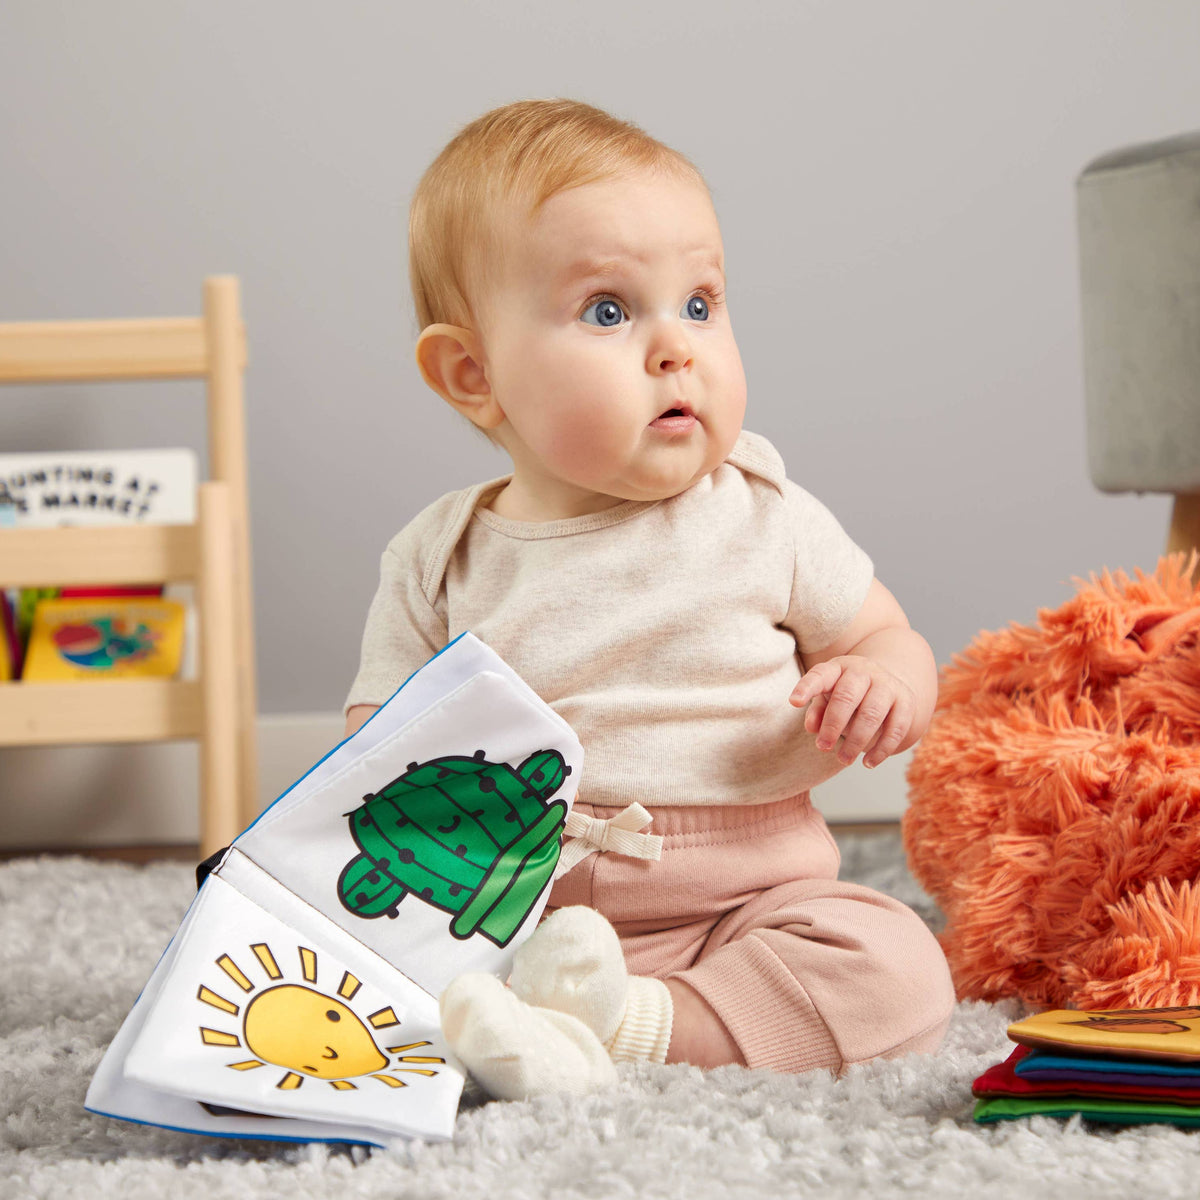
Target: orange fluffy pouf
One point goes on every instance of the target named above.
(1055, 800)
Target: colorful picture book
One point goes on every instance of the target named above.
(298, 999)
(106, 638)
(11, 649)
(1170, 1033)
(1123, 1066)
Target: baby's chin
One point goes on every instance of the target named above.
(687, 459)
(666, 486)
(590, 478)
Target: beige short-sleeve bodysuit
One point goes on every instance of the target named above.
(666, 633)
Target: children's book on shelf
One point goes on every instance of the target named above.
(10, 647)
(298, 999)
(96, 488)
(104, 638)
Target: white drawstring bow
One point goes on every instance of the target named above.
(617, 835)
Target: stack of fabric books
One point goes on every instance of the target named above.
(1129, 1066)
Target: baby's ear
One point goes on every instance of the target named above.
(450, 358)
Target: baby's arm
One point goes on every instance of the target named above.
(358, 716)
(402, 630)
(874, 687)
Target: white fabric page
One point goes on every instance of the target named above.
(279, 1012)
(112, 1094)
(310, 846)
(457, 662)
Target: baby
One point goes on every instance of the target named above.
(717, 642)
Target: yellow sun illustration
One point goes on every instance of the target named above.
(310, 1033)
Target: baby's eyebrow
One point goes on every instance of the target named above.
(605, 268)
(591, 268)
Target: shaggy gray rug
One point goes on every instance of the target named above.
(78, 938)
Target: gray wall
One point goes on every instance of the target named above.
(895, 184)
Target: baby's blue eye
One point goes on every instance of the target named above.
(696, 309)
(607, 314)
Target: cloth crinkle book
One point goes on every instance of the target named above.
(298, 999)
(1124, 1066)
(1166, 1033)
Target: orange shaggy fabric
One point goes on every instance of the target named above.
(1055, 800)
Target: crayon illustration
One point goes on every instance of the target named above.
(1139, 1020)
(304, 1030)
(474, 838)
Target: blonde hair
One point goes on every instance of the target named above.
(520, 154)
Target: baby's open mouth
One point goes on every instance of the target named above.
(678, 418)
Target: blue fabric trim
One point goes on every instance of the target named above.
(262, 1137)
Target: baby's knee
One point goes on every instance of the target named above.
(911, 992)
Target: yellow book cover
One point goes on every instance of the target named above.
(1170, 1033)
(104, 639)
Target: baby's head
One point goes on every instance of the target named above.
(568, 276)
(507, 164)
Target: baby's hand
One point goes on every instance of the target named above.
(855, 698)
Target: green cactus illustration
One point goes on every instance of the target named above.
(474, 838)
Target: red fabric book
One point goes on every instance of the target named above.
(1003, 1080)
(105, 591)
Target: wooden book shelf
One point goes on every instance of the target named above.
(219, 708)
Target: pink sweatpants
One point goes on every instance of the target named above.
(745, 907)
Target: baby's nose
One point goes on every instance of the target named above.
(666, 357)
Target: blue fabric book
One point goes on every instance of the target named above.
(1038, 1065)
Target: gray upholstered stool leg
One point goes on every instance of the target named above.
(1139, 239)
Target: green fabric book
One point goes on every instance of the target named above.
(1116, 1112)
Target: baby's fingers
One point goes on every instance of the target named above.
(816, 710)
(842, 703)
(816, 682)
(891, 733)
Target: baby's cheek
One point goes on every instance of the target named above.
(578, 446)
(580, 423)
